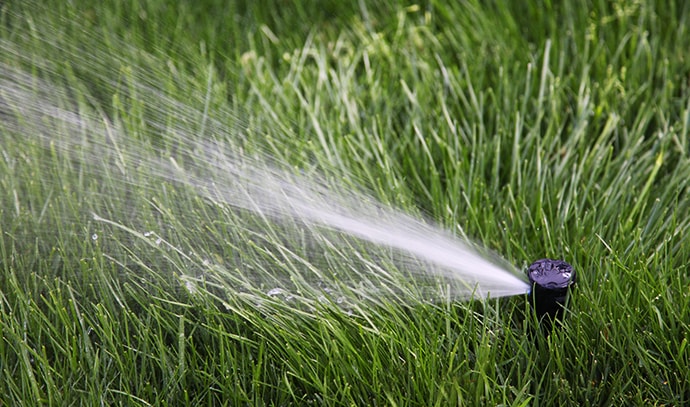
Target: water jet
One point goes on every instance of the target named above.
(272, 227)
(215, 203)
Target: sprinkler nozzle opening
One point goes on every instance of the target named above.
(550, 280)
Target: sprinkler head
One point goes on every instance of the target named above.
(550, 280)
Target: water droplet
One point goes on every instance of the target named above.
(158, 241)
(190, 286)
(149, 233)
(94, 236)
(275, 291)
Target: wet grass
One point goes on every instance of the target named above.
(543, 130)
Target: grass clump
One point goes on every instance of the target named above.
(539, 130)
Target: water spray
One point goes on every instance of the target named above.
(550, 280)
(328, 234)
(313, 219)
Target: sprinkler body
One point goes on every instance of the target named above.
(550, 280)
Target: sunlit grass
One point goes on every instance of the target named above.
(537, 131)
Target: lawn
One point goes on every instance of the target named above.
(533, 129)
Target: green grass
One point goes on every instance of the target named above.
(539, 130)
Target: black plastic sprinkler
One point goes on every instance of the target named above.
(550, 280)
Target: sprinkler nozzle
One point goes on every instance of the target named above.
(550, 280)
